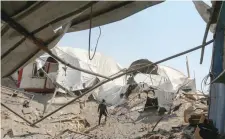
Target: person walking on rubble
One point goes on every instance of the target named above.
(102, 109)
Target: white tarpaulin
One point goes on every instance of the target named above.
(75, 80)
(168, 80)
(167, 83)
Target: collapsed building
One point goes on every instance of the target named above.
(40, 76)
(165, 82)
(33, 77)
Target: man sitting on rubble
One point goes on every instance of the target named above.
(103, 110)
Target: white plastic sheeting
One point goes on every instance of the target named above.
(74, 80)
(111, 94)
(167, 83)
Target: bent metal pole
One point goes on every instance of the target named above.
(117, 76)
(16, 113)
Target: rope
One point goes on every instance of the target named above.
(89, 42)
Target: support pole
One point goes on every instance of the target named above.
(206, 32)
(53, 97)
(16, 113)
(204, 40)
(57, 84)
(187, 65)
(39, 43)
(117, 76)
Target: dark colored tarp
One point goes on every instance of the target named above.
(143, 62)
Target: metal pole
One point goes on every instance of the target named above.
(39, 43)
(207, 31)
(57, 84)
(16, 113)
(53, 97)
(117, 76)
(187, 64)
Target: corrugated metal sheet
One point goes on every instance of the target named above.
(217, 107)
(42, 18)
(217, 90)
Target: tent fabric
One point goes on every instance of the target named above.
(74, 80)
(50, 20)
(165, 74)
(167, 83)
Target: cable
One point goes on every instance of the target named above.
(89, 43)
(204, 81)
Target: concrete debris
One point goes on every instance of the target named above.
(9, 133)
(14, 95)
(180, 132)
(26, 104)
(69, 134)
(4, 115)
(46, 129)
(132, 119)
(191, 96)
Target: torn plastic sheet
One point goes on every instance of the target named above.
(74, 80)
(167, 83)
(111, 93)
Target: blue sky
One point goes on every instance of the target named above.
(154, 33)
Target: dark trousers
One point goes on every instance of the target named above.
(100, 116)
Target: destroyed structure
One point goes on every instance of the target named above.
(146, 100)
(32, 77)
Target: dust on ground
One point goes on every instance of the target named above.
(121, 122)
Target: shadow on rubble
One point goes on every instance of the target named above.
(29, 135)
(151, 116)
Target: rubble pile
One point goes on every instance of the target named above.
(15, 127)
(180, 132)
(129, 120)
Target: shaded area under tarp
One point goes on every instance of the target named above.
(142, 62)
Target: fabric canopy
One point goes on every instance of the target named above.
(48, 21)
